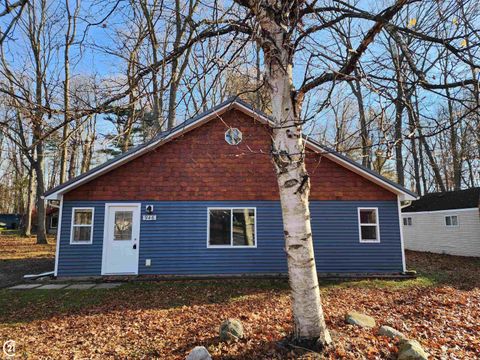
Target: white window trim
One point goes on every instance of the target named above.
(377, 225)
(451, 226)
(51, 219)
(72, 242)
(231, 246)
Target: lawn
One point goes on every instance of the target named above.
(441, 309)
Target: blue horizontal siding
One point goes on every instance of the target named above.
(176, 243)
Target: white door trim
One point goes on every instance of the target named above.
(105, 233)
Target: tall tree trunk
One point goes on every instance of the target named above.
(399, 107)
(424, 143)
(357, 91)
(72, 168)
(416, 166)
(157, 106)
(27, 228)
(66, 102)
(288, 153)
(38, 166)
(456, 159)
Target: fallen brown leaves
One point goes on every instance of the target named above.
(14, 247)
(166, 320)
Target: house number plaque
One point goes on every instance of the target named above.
(149, 217)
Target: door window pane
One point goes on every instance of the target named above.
(220, 227)
(243, 227)
(123, 225)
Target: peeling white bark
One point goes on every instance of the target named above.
(294, 185)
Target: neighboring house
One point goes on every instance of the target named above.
(10, 221)
(446, 223)
(202, 199)
(51, 220)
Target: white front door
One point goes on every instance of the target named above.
(122, 239)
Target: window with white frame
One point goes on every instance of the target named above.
(451, 220)
(407, 221)
(232, 227)
(369, 230)
(82, 226)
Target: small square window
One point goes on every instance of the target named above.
(369, 229)
(451, 220)
(407, 221)
(82, 226)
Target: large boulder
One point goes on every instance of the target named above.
(231, 329)
(199, 353)
(391, 332)
(411, 350)
(361, 320)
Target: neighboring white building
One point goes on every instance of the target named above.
(445, 223)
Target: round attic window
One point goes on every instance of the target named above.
(233, 136)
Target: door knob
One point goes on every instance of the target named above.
(134, 246)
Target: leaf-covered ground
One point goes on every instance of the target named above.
(165, 320)
(20, 256)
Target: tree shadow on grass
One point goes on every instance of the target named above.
(459, 272)
(28, 305)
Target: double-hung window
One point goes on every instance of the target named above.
(451, 220)
(232, 227)
(82, 226)
(368, 226)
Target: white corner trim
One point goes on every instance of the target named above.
(400, 227)
(59, 236)
(92, 226)
(377, 225)
(231, 246)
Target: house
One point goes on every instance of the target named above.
(202, 199)
(51, 220)
(445, 222)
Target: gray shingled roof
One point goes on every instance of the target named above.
(450, 200)
(230, 101)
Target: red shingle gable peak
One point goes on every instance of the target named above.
(202, 119)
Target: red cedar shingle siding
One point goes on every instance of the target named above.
(200, 165)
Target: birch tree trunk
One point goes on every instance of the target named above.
(288, 153)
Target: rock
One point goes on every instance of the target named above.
(391, 332)
(361, 320)
(199, 353)
(231, 329)
(411, 350)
